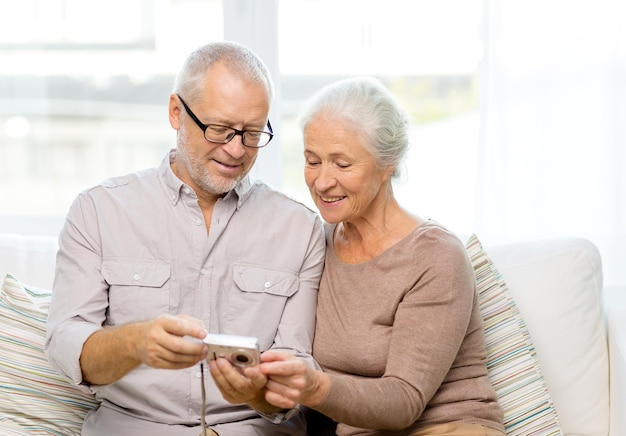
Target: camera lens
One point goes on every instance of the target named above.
(242, 358)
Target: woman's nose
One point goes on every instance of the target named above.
(325, 179)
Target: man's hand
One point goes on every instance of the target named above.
(172, 342)
(241, 386)
(168, 342)
(235, 386)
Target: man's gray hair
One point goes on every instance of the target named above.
(238, 59)
(368, 108)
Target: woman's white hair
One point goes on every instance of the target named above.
(368, 108)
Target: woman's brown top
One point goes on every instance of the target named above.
(401, 337)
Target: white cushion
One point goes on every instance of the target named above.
(33, 396)
(557, 286)
(514, 369)
(615, 308)
(31, 258)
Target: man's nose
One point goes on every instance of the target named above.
(235, 146)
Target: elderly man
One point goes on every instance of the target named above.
(151, 262)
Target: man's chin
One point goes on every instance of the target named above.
(218, 187)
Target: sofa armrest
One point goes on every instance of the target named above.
(615, 308)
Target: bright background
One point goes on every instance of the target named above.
(518, 107)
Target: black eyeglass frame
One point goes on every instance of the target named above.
(234, 133)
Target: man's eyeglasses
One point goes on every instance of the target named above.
(224, 134)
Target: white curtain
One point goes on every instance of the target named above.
(552, 155)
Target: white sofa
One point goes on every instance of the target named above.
(578, 328)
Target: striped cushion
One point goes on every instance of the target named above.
(511, 358)
(8, 429)
(33, 396)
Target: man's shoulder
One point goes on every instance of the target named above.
(127, 180)
(272, 196)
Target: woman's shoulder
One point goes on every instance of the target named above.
(437, 237)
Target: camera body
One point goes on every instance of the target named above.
(240, 351)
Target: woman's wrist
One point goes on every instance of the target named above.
(320, 388)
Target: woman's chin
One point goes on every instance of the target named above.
(329, 213)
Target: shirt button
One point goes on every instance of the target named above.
(198, 221)
(267, 285)
(186, 190)
(203, 271)
(136, 276)
(198, 374)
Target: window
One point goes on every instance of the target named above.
(428, 53)
(80, 102)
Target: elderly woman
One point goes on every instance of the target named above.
(399, 335)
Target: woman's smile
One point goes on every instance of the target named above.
(331, 199)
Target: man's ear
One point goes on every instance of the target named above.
(174, 111)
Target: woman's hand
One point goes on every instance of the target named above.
(292, 381)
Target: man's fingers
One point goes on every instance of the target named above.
(219, 371)
(237, 380)
(173, 342)
(182, 325)
(179, 354)
(237, 386)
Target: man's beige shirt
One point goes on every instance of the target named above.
(137, 246)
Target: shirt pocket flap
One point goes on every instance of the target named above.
(250, 278)
(136, 272)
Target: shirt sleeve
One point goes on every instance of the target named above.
(79, 297)
(297, 325)
(429, 327)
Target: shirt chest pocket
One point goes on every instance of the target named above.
(138, 288)
(258, 301)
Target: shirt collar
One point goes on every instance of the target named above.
(174, 186)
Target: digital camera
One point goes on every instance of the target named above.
(240, 351)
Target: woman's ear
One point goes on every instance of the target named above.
(387, 173)
(174, 111)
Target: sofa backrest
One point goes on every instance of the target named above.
(29, 258)
(557, 286)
